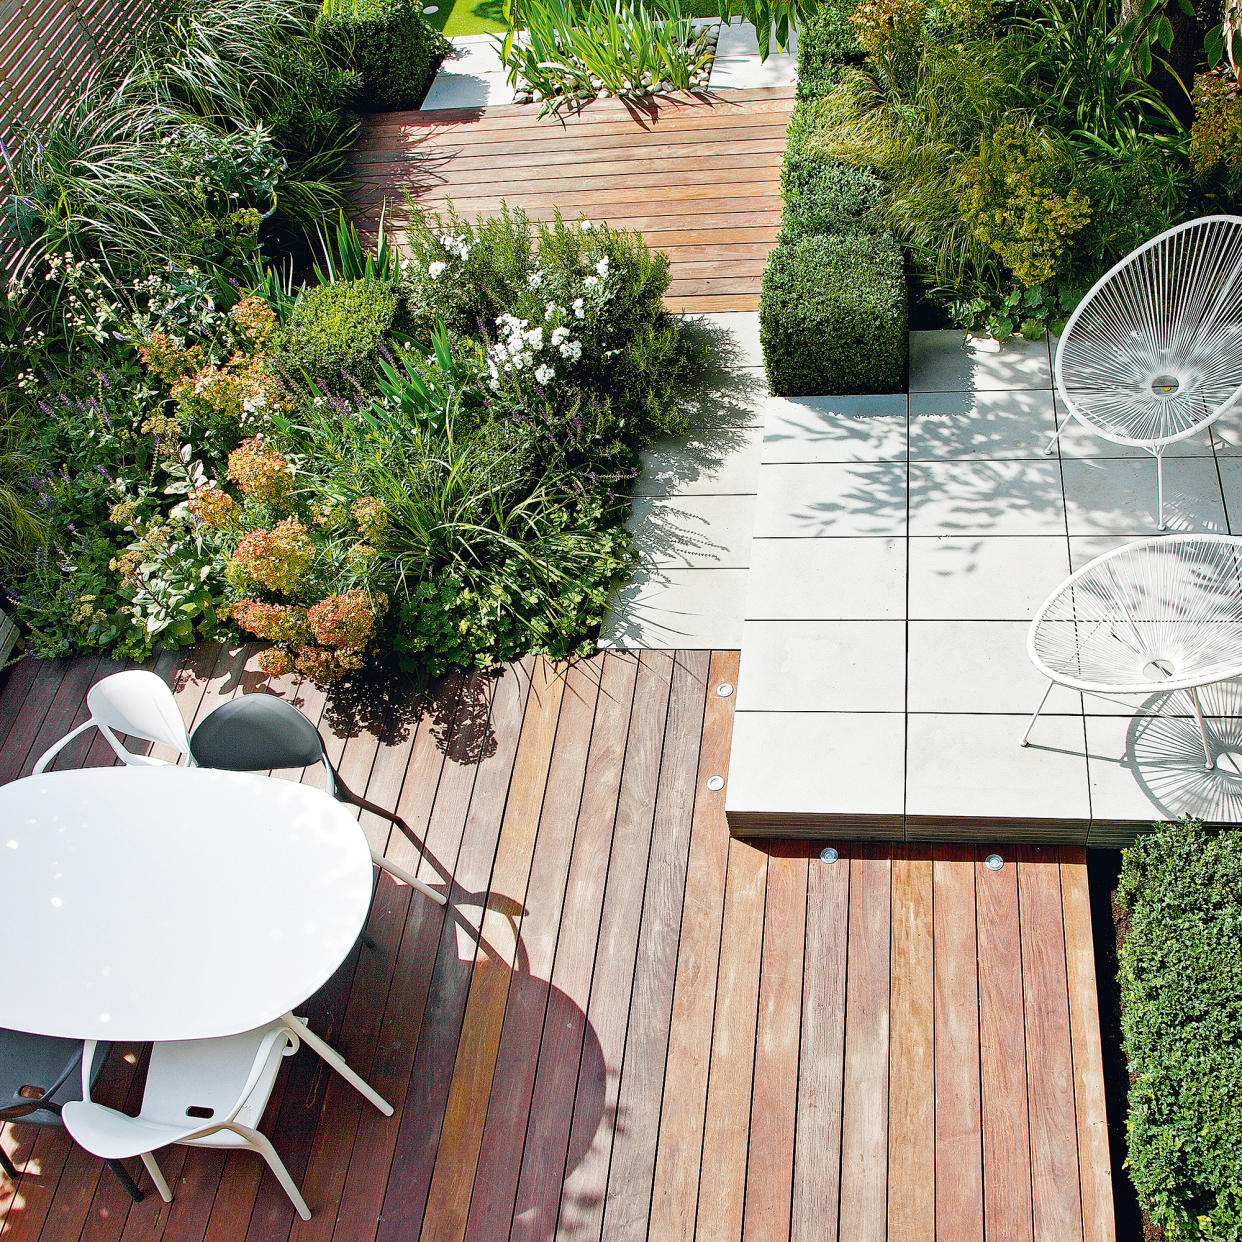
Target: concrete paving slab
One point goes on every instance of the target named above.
(986, 498)
(686, 532)
(710, 461)
(987, 424)
(737, 65)
(984, 578)
(687, 609)
(854, 428)
(827, 579)
(845, 666)
(1118, 497)
(829, 499)
(948, 361)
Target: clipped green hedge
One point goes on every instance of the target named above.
(824, 196)
(337, 330)
(826, 41)
(390, 43)
(833, 315)
(1181, 993)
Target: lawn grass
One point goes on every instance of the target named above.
(468, 17)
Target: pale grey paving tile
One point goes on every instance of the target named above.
(1150, 768)
(945, 361)
(978, 666)
(831, 499)
(677, 608)
(738, 332)
(1231, 483)
(853, 428)
(708, 462)
(984, 578)
(1078, 440)
(845, 666)
(986, 498)
(1118, 496)
(467, 90)
(737, 65)
(817, 763)
(793, 579)
(1222, 699)
(685, 532)
(972, 765)
(1085, 548)
(984, 424)
(1227, 432)
(725, 392)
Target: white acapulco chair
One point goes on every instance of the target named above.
(134, 702)
(1156, 616)
(200, 1092)
(1153, 353)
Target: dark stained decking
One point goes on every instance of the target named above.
(629, 1025)
(699, 177)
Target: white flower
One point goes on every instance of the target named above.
(572, 350)
(578, 305)
(559, 335)
(534, 280)
(434, 269)
(535, 338)
(590, 283)
(585, 225)
(602, 266)
(544, 374)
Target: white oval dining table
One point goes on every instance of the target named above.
(164, 903)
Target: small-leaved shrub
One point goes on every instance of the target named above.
(826, 41)
(824, 196)
(389, 43)
(1181, 994)
(833, 315)
(335, 332)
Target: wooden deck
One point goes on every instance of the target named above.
(629, 1025)
(699, 177)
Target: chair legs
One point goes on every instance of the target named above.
(148, 1160)
(1208, 761)
(10, 1170)
(1026, 737)
(263, 1145)
(1159, 491)
(121, 1173)
(406, 878)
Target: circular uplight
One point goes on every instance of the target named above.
(993, 862)
(715, 782)
(828, 854)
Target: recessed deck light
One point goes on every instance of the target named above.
(993, 862)
(828, 854)
(724, 689)
(715, 782)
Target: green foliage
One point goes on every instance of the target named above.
(1216, 140)
(833, 316)
(334, 333)
(389, 43)
(569, 51)
(1181, 992)
(824, 196)
(826, 41)
(604, 285)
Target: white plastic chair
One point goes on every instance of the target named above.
(200, 1092)
(134, 702)
(1153, 353)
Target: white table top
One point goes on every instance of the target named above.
(172, 903)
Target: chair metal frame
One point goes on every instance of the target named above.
(1153, 352)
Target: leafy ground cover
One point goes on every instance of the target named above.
(425, 455)
(1181, 990)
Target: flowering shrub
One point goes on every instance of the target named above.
(1216, 136)
(261, 473)
(278, 559)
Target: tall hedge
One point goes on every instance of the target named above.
(826, 41)
(1181, 991)
(394, 48)
(833, 316)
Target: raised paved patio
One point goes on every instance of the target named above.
(900, 546)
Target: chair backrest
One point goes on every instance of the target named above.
(140, 704)
(206, 1080)
(255, 732)
(1153, 352)
(38, 1074)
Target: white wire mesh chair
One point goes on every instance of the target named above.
(1154, 617)
(1153, 353)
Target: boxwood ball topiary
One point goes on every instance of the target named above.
(833, 316)
(390, 43)
(337, 330)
